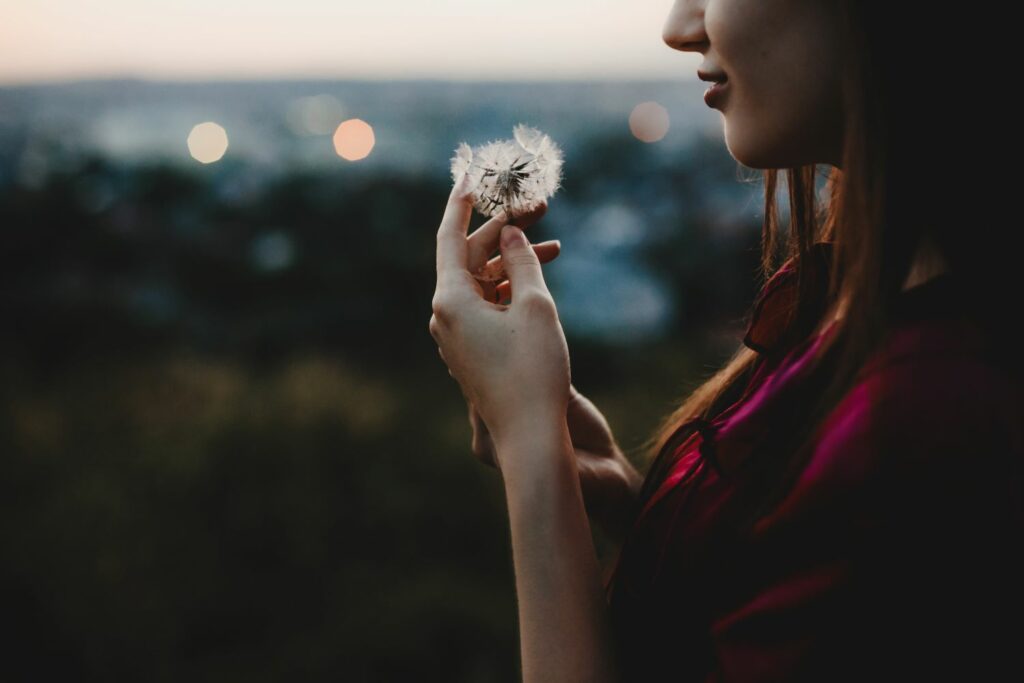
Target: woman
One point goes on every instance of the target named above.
(843, 500)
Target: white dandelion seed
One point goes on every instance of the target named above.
(511, 175)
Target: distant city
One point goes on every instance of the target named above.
(242, 136)
(416, 123)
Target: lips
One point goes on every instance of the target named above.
(713, 95)
(712, 77)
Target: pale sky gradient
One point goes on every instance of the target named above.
(46, 40)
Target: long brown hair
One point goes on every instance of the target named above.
(880, 207)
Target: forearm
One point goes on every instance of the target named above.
(617, 517)
(613, 525)
(564, 629)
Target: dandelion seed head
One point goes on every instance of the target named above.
(514, 175)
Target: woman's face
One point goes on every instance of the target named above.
(782, 105)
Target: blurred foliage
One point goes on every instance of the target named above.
(230, 449)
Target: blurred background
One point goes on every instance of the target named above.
(230, 450)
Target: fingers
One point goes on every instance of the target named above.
(484, 240)
(451, 235)
(520, 262)
(500, 290)
(494, 270)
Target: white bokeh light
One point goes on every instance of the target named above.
(315, 115)
(207, 142)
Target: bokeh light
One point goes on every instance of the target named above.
(354, 139)
(648, 121)
(207, 142)
(316, 115)
(272, 251)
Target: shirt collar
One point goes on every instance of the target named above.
(769, 331)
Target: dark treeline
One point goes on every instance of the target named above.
(230, 450)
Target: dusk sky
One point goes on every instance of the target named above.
(47, 40)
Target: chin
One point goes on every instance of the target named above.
(752, 152)
(748, 155)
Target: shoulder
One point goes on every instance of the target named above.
(932, 395)
(935, 368)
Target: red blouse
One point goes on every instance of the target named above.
(896, 554)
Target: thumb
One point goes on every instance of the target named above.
(520, 261)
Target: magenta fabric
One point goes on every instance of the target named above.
(897, 554)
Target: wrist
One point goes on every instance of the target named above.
(528, 429)
(532, 446)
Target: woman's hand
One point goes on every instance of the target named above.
(609, 482)
(511, 361)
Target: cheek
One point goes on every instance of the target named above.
(765, 123)
(741, 33)
(783, 80)
(744, 43)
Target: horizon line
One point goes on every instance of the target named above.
(296, 78)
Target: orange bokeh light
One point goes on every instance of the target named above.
(354, 139)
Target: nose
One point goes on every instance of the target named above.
(684, 26)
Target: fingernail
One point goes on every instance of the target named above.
(461, 186)
(511, 236)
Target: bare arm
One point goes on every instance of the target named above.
(564, 628)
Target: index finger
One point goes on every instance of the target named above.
(451, 236)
